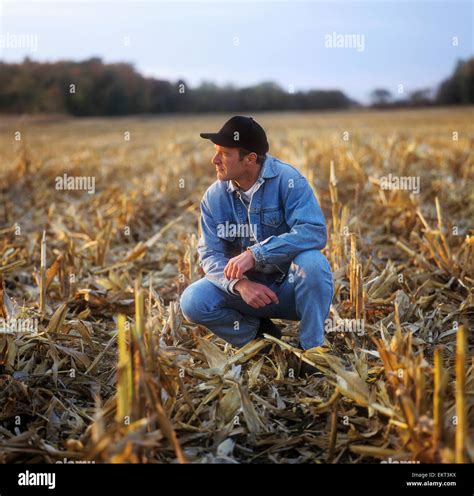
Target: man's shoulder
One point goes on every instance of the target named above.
(215, 190)
(284, 169)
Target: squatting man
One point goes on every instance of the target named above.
(262, 230)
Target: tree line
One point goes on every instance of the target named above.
(92, 88)
(457, 89)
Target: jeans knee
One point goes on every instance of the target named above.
(199, 301)
(312, 267)
(190, 305)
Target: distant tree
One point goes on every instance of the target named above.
(380, 96)
(459, 88)
(421, 97)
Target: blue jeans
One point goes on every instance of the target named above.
(304, 295)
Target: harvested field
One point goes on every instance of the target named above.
(114, 374)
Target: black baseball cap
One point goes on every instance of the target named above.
(241, 132)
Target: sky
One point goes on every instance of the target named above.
(385, 44)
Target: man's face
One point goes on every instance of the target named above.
(228, 164)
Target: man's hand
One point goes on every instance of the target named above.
(237, 266)
(255, 294)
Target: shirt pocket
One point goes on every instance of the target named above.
(272, 217)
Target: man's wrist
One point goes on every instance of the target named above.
(239, 284)
(253, 256)
(256, 251)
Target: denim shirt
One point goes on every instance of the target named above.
(284, 214)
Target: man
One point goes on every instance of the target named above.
(262, 230)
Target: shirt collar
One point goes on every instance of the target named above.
(266, 172)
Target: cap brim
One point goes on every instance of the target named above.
(219, 139)
(209, 135)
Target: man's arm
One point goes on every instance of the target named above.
(306, 221)
(211, 251)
